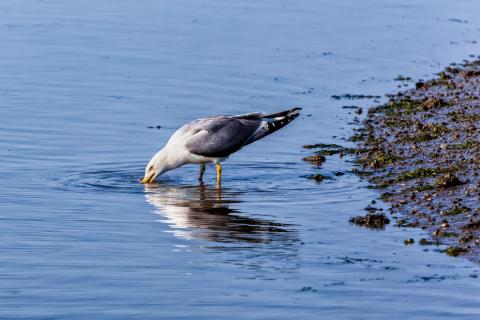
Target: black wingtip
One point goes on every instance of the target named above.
(294, 110)
(285, 113)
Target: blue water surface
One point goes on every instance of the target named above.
(83, 87)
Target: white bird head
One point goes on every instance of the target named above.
(156, 166)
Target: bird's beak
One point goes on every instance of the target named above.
(148, 179)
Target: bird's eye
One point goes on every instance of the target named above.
(151, 168)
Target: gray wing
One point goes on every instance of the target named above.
(219, 137)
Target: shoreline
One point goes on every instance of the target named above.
(421, 150)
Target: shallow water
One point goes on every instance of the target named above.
(81, 84)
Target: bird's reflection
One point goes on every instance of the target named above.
(205, 213)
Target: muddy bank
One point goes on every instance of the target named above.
(422, 151)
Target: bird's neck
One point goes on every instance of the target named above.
(167, 159)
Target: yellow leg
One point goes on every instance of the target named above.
(219, 175)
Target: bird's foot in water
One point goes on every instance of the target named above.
(219, 175)
(202, 171)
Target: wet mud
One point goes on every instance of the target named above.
(421, 150)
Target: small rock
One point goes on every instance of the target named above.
(425, 242)
(315, 160)
(447, 180)
(419, 85)
(318, 177)
(455, 251)
(371, 220)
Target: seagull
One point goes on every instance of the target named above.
(214, 139)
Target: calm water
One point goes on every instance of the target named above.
(81, 82)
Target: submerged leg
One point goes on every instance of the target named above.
(202, 170)
(219, 174)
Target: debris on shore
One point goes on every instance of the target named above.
(375, 221)
(321, 151)
(422, 151)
